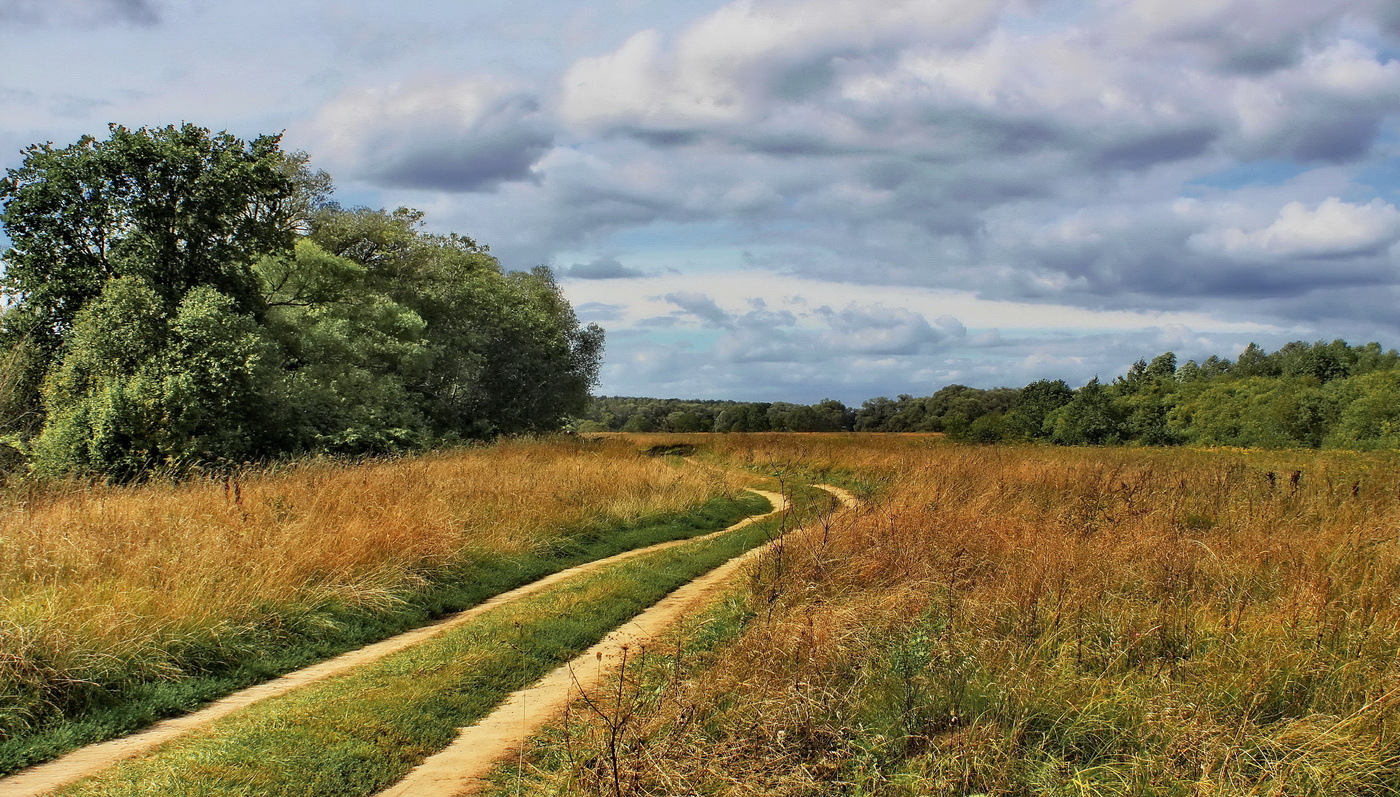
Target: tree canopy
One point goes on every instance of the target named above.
(177, 298)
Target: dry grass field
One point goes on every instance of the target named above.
(1032, 621)
(101, 586)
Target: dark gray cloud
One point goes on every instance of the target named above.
(478, 164)
(79, 12)
(1332, 133)
(700, 306)
(604, 268)
(1388, 16)
(1284, 265)
(1262, 57)
(1154, 147)
(1237, 36)
(469, 136)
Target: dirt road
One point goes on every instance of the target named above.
(462, 767)
(44, 778)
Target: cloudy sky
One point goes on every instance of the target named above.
(799, 199)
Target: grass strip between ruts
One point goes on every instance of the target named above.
(357, 734)
(314, 635)
(549, 757)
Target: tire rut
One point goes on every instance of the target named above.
(462, 768)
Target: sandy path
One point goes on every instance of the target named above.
(80, 763)
(463, 766)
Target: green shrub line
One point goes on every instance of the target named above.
(358, 734)
(289, 638)
(1304, 395)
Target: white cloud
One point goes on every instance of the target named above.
(1334, 229)
(1328, 107)
(721, 298)
(730, 65)
(621, 84)
(875, 329)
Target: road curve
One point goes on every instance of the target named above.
(462, 767)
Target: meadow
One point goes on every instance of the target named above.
(1026, 620)
(143, 601)
(993, 620)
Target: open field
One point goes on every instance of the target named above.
(137, 594)
(359, 733)
(994, 620)
(1029, 621)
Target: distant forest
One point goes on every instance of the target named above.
(1305, 395)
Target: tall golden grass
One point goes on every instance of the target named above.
(1035, 621)
(99, 583)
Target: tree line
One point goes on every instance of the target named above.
(633, 414)
(1304, 395)
(175, 298)
(947, 410)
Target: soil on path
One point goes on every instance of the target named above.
(462, 768)
(44, 778)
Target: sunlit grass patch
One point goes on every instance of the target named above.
(359, 733)
(122, 605)
(1029, 621)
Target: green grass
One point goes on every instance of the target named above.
(360, 733)
(287, 643)
(795, 474)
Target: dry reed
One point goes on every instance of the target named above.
(1032, 621)
(107, 584)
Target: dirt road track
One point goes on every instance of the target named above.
(462, 768)
(44, 778)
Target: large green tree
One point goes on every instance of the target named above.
(1089, 419)
(350, 352)
(178, 207)
(139, 388)
(507, 352)
(176, 297)
(1033, 404)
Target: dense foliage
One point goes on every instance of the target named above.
(1305, 395)
(630, 414)
(1318, 395)
(953, 409)
(176, 298)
